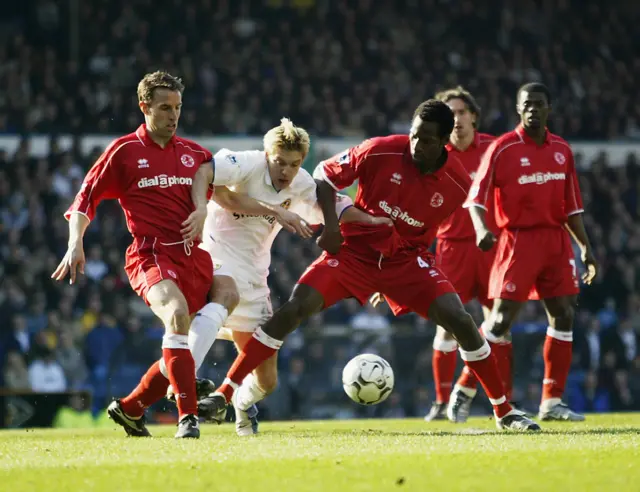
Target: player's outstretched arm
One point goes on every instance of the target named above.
(74, 260)
(194, 225)
(575, 226)
(353, 214)
(244, 204)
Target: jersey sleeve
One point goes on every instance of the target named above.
(310, 209)
(102, 182)
(572, 196)
(341, 170)
(231, 168)
(483, 182)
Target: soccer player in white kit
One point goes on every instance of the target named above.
(256, 194)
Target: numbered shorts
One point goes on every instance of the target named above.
(254, 307)
(467, 267)
(410, 283)
(533, 264)
(148, 262)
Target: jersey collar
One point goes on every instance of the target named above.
(528, 140)
(144, 137)
(474, 143)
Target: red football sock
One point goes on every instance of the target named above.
(258, 349)
(182, 370)
(504, 357)
(153, 386)
(557, 362)
(444, 368)
(468, 379)
(483, 363)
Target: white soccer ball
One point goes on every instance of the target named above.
(368, 379)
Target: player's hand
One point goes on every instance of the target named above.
(330, 240)
(381, 221)
(194, 225)
(72, 263)
(376, 299)
(292, 222)
(485, 240)
(590, 262)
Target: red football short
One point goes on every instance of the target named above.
(533, 264)
(148, 262)
(467, 267)
(409, 282)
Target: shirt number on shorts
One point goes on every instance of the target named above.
(422, 263)
(574, 269)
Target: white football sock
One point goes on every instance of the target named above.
(204, 330)
(202, 333)
(249, 393)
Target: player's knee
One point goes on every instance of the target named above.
(178, 320)
(224, 291)
(564, 316)
(455, 319)
(301, 307)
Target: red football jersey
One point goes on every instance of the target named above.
(389, 184)
(152, 184)
(533, 186)
(459, 225)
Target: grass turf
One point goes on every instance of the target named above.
(364, 455)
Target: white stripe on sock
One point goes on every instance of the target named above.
(476, 355)
(228, 381)
(267, 340)
(444, 345)
(175, 341)
(498, 401)
(565, 336)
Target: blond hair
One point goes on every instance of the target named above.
(287, 136)
(157, 80)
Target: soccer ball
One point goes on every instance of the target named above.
(367, 379)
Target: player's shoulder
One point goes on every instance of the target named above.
(484, 139)
(242, 157)
(504, 142)
(559, 141)
(455, 166)
(389, 144)
(125, 142)
(191, 145)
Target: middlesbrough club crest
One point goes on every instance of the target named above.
(437, 200)
(560, 158)
(187, 160)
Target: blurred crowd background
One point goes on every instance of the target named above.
(341, 69)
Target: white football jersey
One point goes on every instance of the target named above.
(244, 241)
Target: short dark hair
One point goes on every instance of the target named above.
(436, 112)
(157, 80)
(535, 87)
(462, 94)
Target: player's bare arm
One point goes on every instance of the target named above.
(353, 214)
(485, 239)
(74, 260)
(575, 226)
(331, 237)
(193, 226)
(241, 203)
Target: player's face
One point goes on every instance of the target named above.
(533, 108)
(426, 143)
(163, 113)
(464, 119)
(284, 166)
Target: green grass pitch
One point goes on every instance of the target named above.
(600, 454)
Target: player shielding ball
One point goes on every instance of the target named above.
(411, 179)
(457, 255)
(256, 193)
(531, 175)
(151, 173)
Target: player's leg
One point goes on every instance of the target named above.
(205, 325)
(445, 357)
(255, 387)
(448, 311)
(557, 354)
(322, 285)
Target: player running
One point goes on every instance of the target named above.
(151, 172)
(252, 189)
(531, 175)
(411, 179)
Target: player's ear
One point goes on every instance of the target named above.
(144, 107)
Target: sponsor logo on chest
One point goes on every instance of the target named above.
(541, 178)
(398, 214)
(164, 181)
